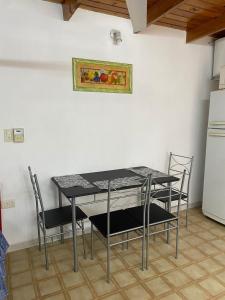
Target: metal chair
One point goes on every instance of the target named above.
(52, 218)
(156, 215)
(119, 222)
(177, 164)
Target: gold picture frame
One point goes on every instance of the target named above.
(101, 76)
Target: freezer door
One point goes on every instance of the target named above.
(217, 110)
(214, 180)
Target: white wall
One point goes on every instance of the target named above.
(72, 132)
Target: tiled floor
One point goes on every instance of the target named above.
(198, 273)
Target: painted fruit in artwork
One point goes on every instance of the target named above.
(114, 77)
(104, 77)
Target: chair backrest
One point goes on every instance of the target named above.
(37, 193)
(146, 185)
(176, 167)
(177, 191)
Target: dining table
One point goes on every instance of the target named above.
(74, 186)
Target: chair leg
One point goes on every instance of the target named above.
(83, 238)
(45, 247)
(177, 238)
(127, 240)
(108, 260)
(62, 234)
(147, 247)
(39, 237)
(187, 213)
(92, 242)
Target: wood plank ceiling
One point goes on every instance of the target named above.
(198, 18)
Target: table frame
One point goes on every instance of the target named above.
(72, 197)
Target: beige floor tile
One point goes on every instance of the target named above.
(146, 274)
(65, 265)
(194, 271)
(163, 265)
(212, 286)
(153, 254)
(21, 279)
(221, 276)
(220, 258)
(41, 273)
(218, 232)
(116, 265)
(102, 254)
(201, 252)
(177, 278)
(194, 228)
(124, 278)
(24, 293)
(81, 293)
(94, 272)
(56, 297)
(165, 249)
(206, 235)
(133, 259)
(210, 265)
(88, 262)
(194, 254)
(172, 297)
(62, 254)
(102, 287)
(220, 244)
(193, 292)
(18, 255)
(193, 240)
(115, 297)
(19, 266)
(49, 286)
(137, 292)
(158, 286)
(180, 261)
(184, 245)
(208, 249)
(72, 278)
(39, 260)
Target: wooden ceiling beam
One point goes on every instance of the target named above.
(138, 14)
(160, 8)
(211, 27)
(69, 7)
(55, 1)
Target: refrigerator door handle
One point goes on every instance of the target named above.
(216, 134)
(217, 123)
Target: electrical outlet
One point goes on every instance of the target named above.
(5, 204)
(8, 135)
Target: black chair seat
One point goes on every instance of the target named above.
(61, 216)
(157, 214)
(120, 221)
(164, 195)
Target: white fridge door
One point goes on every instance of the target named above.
(217, 110)
(214, 180)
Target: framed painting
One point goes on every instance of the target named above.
(101, 76)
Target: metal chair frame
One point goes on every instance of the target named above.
(185, 162)
(41, 220)
(169, 222)
(140, 230)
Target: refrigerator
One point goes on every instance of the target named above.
(213, 204)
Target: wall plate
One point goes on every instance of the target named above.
(8, 135)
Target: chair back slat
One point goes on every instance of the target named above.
(177, 165)
(37, 192)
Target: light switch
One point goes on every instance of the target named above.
(18, 135)
(8, 135)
